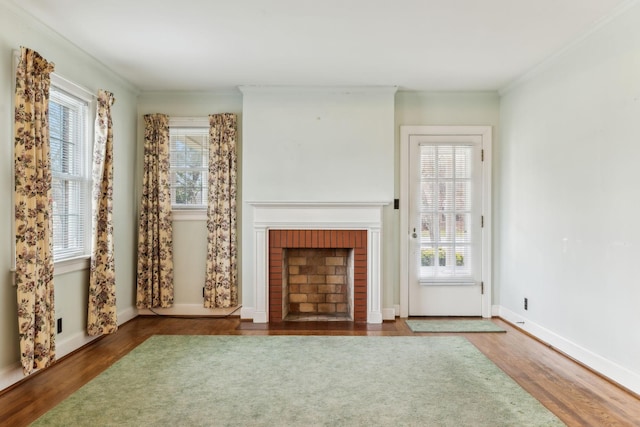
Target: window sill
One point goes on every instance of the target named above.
(189, 214)
(62, 267)
(72, 264)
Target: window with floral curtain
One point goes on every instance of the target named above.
(155, 231)
(33, 212)
(221, 283)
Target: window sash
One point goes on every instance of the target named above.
(189, 160)
(445, 211)
(69, 123)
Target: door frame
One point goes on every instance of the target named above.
(485, 133)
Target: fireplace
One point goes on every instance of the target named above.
(319, 280)
(278, 226)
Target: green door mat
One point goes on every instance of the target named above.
(453, 325)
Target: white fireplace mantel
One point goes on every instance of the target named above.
(317, 216)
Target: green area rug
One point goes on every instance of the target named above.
(301, 381)
(453, 325)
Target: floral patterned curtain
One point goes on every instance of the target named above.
(155, 242)
(221, 287)
(33, 212)
(101, 318)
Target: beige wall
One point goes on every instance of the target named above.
(70, 288)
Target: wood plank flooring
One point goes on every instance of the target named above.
(576, 395)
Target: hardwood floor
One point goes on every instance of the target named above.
(575, 394)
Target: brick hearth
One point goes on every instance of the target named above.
(279, 240)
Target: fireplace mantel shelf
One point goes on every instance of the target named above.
(314, 204)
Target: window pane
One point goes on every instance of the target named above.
(428, 161)
(463, 196)
(463, 161)
(429, 197)
(463, 228)
(445, 196)
(427, 233)
(189, 166)
(446, 229)
(445, 161)
(68, 215)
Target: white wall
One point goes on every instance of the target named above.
(70, 289)
(189, 236)
(569, 183)
(444, 108)
(316, 145)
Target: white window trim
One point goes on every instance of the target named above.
(83, 94)
(180, 213)
(76, 263)
(80, 262)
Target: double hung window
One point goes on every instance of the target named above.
(70, 148)
(189, 163)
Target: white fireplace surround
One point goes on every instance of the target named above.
(317, 216)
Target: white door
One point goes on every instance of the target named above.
(445, 225)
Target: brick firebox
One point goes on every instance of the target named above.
(321, 239)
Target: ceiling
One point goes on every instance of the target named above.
(438, 45)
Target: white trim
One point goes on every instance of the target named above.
(72, 343)
(247, 313)
(80, 262)
(12, 216)
(10, 375)
(189, 122)
(127, 314)
(72, 264)
(317, 216)
(602, 365)
(86, 163)
(74, 89)
(388, 313)
(495, 310)
(63, 267)
(485, 132)
(189, 214)
(189, 310)
(550, 60)
(13, 373)
(318, 89)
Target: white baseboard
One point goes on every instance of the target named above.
(246, 313)
(72, 343)
(12, 374)
(389, 313)
(605, 367)
(188, 310)
(495, 310)
(127, 314)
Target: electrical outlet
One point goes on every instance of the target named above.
(526, 303)
(59, 325)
